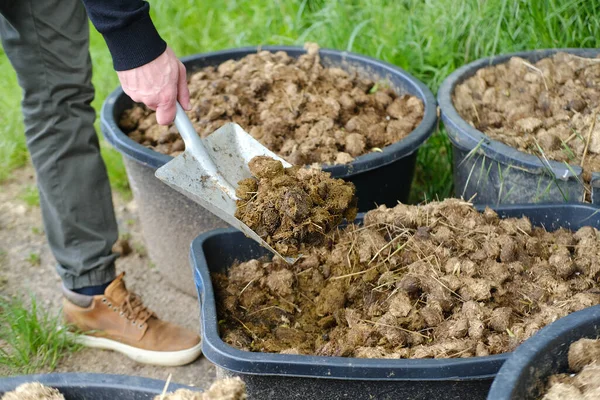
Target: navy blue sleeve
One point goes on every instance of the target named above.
(128, 31)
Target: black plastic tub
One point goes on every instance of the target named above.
(499, 174)
(170, 221)
(526, 372)
(76, 386)
(275, 376)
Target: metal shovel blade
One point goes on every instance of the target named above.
(212, 183)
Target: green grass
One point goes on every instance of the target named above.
(34, 259)
(428, 38)
(30, 338)
(30, 196)
(13, 152)
(116, 170)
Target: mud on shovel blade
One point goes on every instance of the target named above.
(209, 169)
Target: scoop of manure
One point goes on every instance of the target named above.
(293, 207)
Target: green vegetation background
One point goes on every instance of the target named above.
(428, 38)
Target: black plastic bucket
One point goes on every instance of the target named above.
(499, 174)
(83, 386)
(526, 372)
(170, 221)
(370, 173)
(275, 376)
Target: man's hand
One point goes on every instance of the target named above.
(158, 84)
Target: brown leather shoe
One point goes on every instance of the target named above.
(118, 320)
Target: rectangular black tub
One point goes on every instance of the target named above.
(277, 376)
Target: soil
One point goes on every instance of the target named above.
(22, 234)
(552, 105)
(302, 111)
(584, 380)
(437, 280)
(226, 389)
(290, 207)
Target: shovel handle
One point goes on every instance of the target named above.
(192, 141)
(195, 146)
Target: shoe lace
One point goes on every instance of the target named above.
(134, 309)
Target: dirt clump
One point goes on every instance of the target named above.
(33, 391)
(299, 109)
(433, 281)
(583, 381)
(289, 207)
(225, 389)
(551, 105)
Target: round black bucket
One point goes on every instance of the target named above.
(170, 221)
(494, 173)
(525, 374)
(270, 376)
(380, 178)
(83, 386)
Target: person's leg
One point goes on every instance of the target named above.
(47, 43)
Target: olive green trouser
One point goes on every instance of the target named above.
(47, 42)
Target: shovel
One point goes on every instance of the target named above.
(209, 169)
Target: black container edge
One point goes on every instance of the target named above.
(505, 384)
(90, 380)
